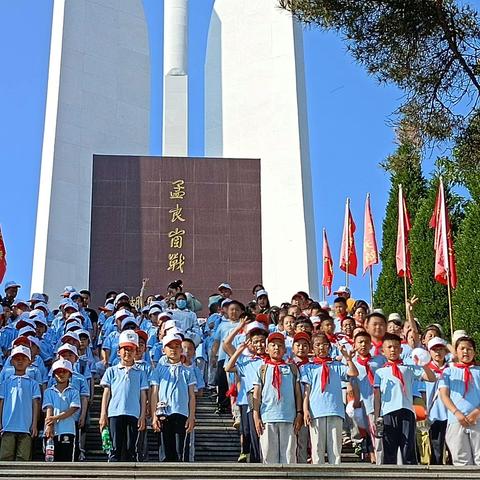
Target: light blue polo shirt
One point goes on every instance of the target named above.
(272, 409)
(330, 402)
(247, 370)
(436, 408)
(173, 381)
(77, 382)
(18, 393)
(156, 353)
(224, 328)
(364, 386)
(32, 371)
(61, 402)
(111, 344)
(393, 397)
(125, 385)
(197, 375)
(453, 380)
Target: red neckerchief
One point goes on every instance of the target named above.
(232, 392)
(364, 363)
(262, 356)
(349, 340)
(435, 368)
(396, 371)
(342, 317)
(277, 376)
(323, 361)
(467, 374)
(403, 342)
(302, 361)
(332, 338)
(378, 346)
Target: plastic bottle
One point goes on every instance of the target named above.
(49, 450)
(106, 440)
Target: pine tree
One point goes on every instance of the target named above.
(466, 297)
(405, 168)
(433, 304)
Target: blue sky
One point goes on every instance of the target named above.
(347, 111)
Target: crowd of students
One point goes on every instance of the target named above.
(301, 380)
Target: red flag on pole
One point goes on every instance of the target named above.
(444, 254)
(348, 255)
(403, 229)
(370, 250)
(327, 265)
(3, 257)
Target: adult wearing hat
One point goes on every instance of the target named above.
(11, 291)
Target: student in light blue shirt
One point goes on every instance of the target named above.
(124, 400)
(277, 404)
(367, 365)
(459, 390)
(172, 400)
(234, 311)
(19, 409)
(394, 402)
(60, 403)
(323, 407)
(436, 410)
(246, 367)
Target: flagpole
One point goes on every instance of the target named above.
(446, 256)
(323, 293)
(371, 286)
(347, 235)
(405, 287)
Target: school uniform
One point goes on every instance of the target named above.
(397, 411)
(365, 381)
(18, 392)
(32, 371)
(463, 443)
(326, 409)
(247, 369)
(111, 345)
(278, 443)
(124, 408)
(173, 381)
(437, 416)
(64, 430)
(222, 331)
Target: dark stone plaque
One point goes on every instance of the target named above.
(197, 219)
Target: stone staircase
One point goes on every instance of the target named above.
(215, 438)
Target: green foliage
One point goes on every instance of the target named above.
(466, 297)
(433, 305)
(405, 168)
(430, 49)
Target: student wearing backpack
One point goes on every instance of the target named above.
(277, 404)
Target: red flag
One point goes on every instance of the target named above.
(327, 265)
(403, 229)
(443, 243)
(3, 257)
(370, 250)
(348, 255)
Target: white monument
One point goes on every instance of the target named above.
(256, 108)
(175, 78)
(98, 101)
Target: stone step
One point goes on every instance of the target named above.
(207, 471)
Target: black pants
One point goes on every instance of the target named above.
(124, 432)
(255, 455)
(64, 448)
(399, 432)
(244, 428)
(438, 430)
(175, 438)
(222, 384)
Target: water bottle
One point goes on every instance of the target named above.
(379, 427)
(49, 450)
(106, 440)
